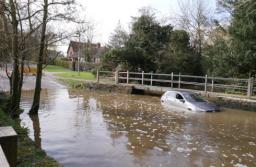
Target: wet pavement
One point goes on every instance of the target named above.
(48, 82)
(95, 129)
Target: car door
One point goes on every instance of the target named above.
(179, 100)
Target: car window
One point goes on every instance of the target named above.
(178, 96)
(194, 98)
(169, 95)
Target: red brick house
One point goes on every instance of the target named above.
(90, 55)
(89, 52)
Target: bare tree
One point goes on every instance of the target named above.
(15, 101)
(20, 24)
(52, 10)
(90, 31)
(36, 99)
(195, 17)
(16, 39)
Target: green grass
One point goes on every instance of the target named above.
(53, 68)
(66, 73)
(28, 154)
(74, 75)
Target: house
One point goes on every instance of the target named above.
(89, 55)
(87, 52)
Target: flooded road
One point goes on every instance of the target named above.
(97, 129)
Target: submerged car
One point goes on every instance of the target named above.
(188, 101)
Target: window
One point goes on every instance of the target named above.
(194, 98)
(169, 95)
(178, 96)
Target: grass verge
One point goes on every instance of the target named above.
(28, 154)
(53, 68)
(73, 74)
(66, 73)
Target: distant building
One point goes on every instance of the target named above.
(89, 52)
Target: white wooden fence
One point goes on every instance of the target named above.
(205, 83)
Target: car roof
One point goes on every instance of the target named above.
(180, 91)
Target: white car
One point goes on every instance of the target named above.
(188, 101)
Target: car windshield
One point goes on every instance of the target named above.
(194, 98)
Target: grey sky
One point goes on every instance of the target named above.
(106, 14)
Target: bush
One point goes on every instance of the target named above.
(94, 71)
(61, 62)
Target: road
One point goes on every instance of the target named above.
(48, 81)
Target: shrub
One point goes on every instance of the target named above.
(61, 62)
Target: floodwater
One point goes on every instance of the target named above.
(97, 129)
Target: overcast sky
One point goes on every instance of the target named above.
(105, 14)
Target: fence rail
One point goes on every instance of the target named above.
(204, 83)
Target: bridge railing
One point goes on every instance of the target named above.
(204, 83)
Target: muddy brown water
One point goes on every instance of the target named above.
(96, 129)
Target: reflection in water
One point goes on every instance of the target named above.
(144, 128)
(37, 130)
(101, 129)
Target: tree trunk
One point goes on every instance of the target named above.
(9, 77)
(7, 38)
(15, 101)
(22, 48)
(36, 100)
(21, 74)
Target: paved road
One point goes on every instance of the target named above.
(48, 81)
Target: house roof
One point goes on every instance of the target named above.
(75, 45)
(95, 49)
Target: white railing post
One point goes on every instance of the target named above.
(151, 79)
(127, 77)
(116, 77)
(205, 83)
(142, 78)
(179, 80)
(97, 76)
(250, 87)
(172, 80)
(212, 84)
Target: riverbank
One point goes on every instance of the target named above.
(28, 154)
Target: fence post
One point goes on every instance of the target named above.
(142, 78)
(127, 77)
(205, 83)
(97, 76)
(179, 80)
(116, 77)
(250, 87)
(151, 79)
(212, 84)
(172, 80)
